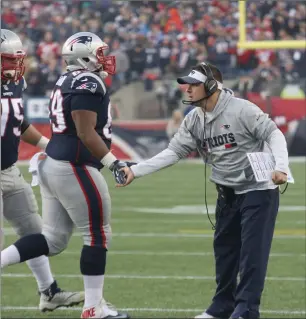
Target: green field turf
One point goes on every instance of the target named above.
(160, 262)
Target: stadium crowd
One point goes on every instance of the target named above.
(151, 39)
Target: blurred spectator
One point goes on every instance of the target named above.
(122, 63)
(36, 80)
(174, 123)
(9, 18)
(179, 34)
(289, 74)
(137, 56)
(169, 95)
(51, 72)
(266, 76)
(48, 46)
(28, 44)
(164, 53)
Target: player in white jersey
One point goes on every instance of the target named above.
(224, 129)
(19, 204)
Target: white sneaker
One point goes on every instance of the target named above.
(60, 299)
(205, 315)
(103, 310)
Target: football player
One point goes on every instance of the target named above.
(19, 204)
(73, 190)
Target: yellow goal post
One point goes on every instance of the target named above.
(276, 44)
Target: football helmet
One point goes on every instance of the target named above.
(85, 50)
(12, 56)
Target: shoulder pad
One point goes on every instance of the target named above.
(88, 83)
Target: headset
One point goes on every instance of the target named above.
(211, 84)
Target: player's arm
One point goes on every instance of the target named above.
(31, 135)
(84, 115)
(85, 122)
(261, 127)
(179, 147)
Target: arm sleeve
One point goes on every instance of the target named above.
(162, 160)
(256, 122)
(86, 102)
(24, 126)
(179, 147)
(277, 142)
(183, 142)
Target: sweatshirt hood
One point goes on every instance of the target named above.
(223, 100)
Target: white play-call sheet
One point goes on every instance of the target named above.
(263, 165)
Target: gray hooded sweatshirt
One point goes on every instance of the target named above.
(223, 137)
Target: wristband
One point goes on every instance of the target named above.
(43, 142)
(108, 159)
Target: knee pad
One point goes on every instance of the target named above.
(93, 261)
(32, 246)
(57, 242)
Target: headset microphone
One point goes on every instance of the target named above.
(195, 102)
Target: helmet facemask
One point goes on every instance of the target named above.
(12, 66)
(98, 62)
(108, 62)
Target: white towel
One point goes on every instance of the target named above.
(33, 168)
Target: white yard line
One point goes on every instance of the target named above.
(199, 220)
(268, 311)
(196, 209)
(174, 253)
(9, 231)
(144, 277)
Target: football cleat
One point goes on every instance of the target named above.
(103, 310)
(205, 315)
(53, 298)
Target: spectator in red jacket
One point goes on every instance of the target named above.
(48, 46)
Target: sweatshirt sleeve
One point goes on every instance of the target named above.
(183, 142)
(256, 122)
(179, 147)
(278, 145)
(162, 160)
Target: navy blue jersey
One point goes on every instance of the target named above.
(12, 115)
(77, 90)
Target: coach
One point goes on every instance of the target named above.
(224, 129)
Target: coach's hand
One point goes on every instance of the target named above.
(119, 174)
(129, 177)
(279, 178)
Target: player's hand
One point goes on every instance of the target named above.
(279, 178)
(118, 172)
(129, 176)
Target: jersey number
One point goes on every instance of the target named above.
(107, 127)
(57, 117)
(5, 114)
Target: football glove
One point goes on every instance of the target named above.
(119, 175)
(129, 164)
